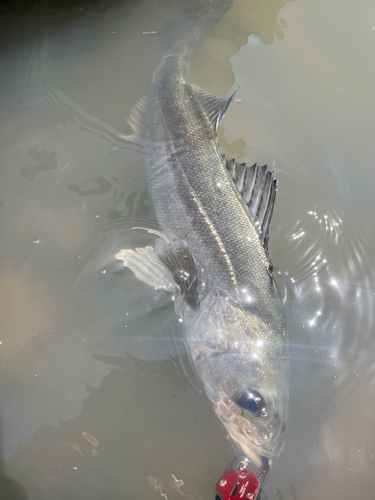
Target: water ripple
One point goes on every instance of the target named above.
(330, 289)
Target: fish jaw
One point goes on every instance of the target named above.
(246, 438)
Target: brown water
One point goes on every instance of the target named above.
(97, 397)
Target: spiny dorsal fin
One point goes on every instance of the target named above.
(177, 257)
(257, 187)
(213, 107)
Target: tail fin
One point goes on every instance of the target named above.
(194, 21)
(211, 11)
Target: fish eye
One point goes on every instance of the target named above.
(252, 401)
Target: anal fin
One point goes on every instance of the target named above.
(137, 121)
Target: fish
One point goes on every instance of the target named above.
(214, 217)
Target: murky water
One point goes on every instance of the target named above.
(98, 399)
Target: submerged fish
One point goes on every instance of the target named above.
(215, 216)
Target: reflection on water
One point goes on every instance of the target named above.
(137, 446)
(98, 397)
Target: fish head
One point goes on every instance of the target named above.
(242, 361)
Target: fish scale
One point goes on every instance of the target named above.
(194, 197)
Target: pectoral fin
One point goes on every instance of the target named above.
(145, 264)
(177, 257)
(171, 267)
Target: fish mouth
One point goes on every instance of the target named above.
(255, 452)
(248, 446)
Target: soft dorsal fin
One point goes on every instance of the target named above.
(213, 107)
(177, 257)
(257, 187)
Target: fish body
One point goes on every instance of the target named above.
(215, 215)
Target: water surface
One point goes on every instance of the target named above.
(98, 399)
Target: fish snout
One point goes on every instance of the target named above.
(275, 435)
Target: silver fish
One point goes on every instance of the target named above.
(215, 216)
